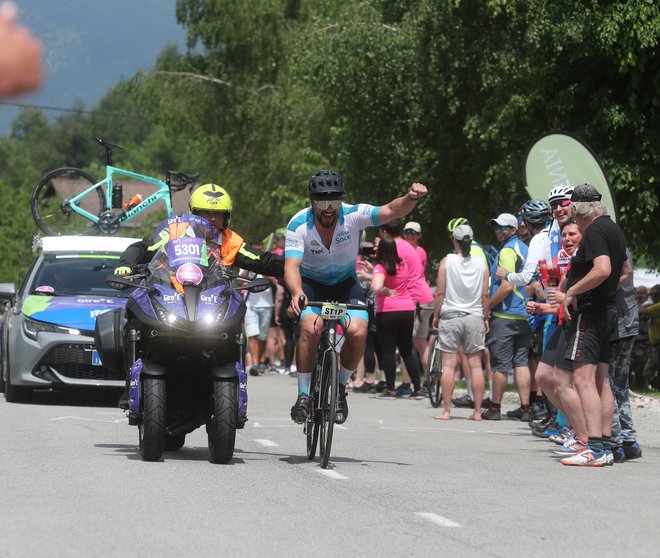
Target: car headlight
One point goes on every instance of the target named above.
(32, 328)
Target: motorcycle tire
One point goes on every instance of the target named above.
(152, 425)
(222, 425)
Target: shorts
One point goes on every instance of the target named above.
(467, 331)
(510, 348)
(588, 334)
(257, 321)
(422, 323)
(553, 354)
(348, 291)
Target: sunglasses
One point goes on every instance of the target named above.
(562, 203)
(501, 227)
(328, 204)
(410, 231)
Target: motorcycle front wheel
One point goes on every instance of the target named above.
(222, 425)
(152, 426)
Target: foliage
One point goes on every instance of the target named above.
(447, 92)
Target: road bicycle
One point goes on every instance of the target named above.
(70, 201)
(434, 371)
(324, 385)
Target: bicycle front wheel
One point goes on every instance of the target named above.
(435, 372)
(50, 202)
(328, 403)
(312, 424)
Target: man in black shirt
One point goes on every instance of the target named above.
(592, 282)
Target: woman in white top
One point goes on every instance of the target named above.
(461, 316)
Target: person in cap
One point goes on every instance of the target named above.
(590, 309)
(412, 232)
(461, 316)
(509, 328)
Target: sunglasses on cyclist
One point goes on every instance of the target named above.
(501, 227)
(562, 203)
(327, 204)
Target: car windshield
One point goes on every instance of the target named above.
(76, 274)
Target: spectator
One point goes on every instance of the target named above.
(652, 313)
(641, 347)
(20, 55)
(509, 328)
(536, 214)
(461, 316)
(257, 319)
(366, 373)
(589, 306)
(412, 233)
(624, 436)
(418, 287)
(395, 312)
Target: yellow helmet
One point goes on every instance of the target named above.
(210, 197)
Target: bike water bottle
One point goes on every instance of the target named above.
(117, 195)
(136, 199)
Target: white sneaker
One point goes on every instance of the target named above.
(586, 458)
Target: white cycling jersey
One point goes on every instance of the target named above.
(333, 265)
(539, 249)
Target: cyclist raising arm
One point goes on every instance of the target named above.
(322, 243)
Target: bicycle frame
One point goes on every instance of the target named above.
(163, 193)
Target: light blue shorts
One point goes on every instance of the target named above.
(257, 321)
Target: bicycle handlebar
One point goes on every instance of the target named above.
(303, 303)
(178, 180)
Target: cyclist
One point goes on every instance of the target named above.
(214, 204)
(322, 243)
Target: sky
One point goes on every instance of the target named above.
(90, 45)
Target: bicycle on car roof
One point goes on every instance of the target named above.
(70, 201)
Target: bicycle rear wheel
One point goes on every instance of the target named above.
(313, 422)
(328, 403)
(435, 372)
(50, 208)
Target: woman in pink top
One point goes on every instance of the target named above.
(395, 314)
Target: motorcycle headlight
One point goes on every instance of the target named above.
(32, 328)
(215, 318)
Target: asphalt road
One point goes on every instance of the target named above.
(402, 484)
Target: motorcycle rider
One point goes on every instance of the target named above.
(214, 204)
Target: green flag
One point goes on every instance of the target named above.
(559, 158)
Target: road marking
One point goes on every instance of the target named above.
(266, 443)
(89, 419)
(259, 425)
(331, 474)
(438, 519)
(340, 427)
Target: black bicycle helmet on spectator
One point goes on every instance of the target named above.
(326, 183)
(560, 193)
(536, 212)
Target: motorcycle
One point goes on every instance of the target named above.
(180, 337)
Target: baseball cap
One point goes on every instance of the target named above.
(585, 193)
(505, 220)
(462, 231)
(413, 226)
(655, 289)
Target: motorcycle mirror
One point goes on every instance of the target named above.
(256, 286)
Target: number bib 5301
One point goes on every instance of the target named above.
(184, 250)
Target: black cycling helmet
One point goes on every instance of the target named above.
(326, 183)
(537, 212)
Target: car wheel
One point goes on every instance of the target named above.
(15, 394)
